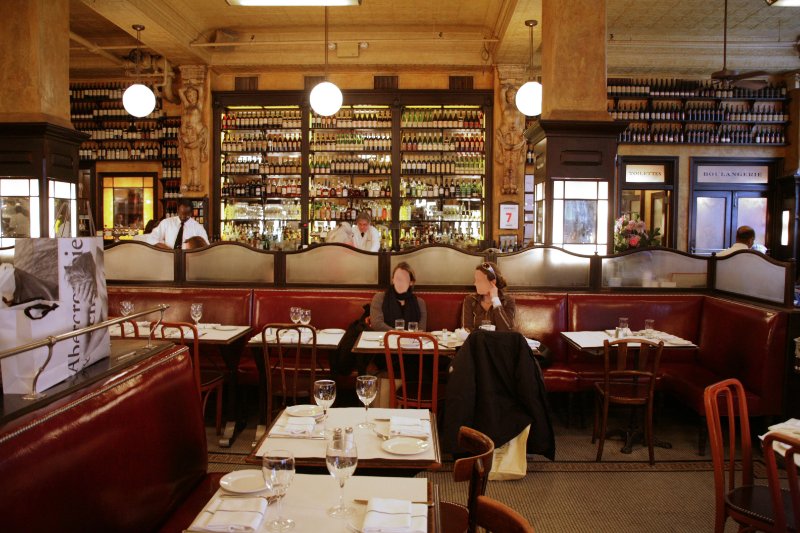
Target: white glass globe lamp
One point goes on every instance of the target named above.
(139, 100)
(529, 99)
(326, 98)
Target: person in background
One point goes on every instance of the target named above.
(20, 223)
(343, 233)
(366, 237)
(745, 237)
(171, 233)
(398, 302)
(489, 303)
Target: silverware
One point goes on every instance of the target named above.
(301, 437)
(364, 502)
(387, 437)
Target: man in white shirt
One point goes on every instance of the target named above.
(745, 236)
(172, 233)
(366, 237)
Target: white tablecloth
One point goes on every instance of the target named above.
(594, 339)
(207, 332)
(324, 340)
(309, 497)
(373, 340)
(367, 441)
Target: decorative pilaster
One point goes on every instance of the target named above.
(194, 135)
(509, 140)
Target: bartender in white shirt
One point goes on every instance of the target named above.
(172, 233)
(366, 237)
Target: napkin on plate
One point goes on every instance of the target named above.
(404, 426)
(207, 326)
(387, 515)
(296, 425)
(290, 336)
(231, 514)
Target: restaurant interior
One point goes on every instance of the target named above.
(382, 266)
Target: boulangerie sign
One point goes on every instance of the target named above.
(59, 286)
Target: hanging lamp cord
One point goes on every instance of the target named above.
(326, 44)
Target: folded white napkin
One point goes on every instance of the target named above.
(462, 334)
(288, 336)
(409, 427)
(207, 326)
(534, 344)
(296, 426)
(231, 514)
(386, 515)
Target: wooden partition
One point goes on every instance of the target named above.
(140, 262)
(231, 263)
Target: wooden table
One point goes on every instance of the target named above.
(309, 496)
(311, 452)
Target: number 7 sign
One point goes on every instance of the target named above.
(509, 216)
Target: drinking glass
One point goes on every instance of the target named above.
(341, 457)
(305, 316)
(623, 324)
(487, 325)
(648, 328)
(400, 324)
(278, 469)
(325, 395)
(125, 307)
(294, 315)
(413, 326)
(366, 389)
(197, 313)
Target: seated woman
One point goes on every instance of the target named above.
(490, 303)
(399, 302)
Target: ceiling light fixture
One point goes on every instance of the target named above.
(138, 99)
(783, 3)
(293, 3)
(529, 96)
(326, 97)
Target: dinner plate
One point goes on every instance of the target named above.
(679, 342)
(405, 445)
(243, 482)
(304, 410)
(226, 328)
(331, 330)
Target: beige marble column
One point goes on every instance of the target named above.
(792, 159)
(574, 60)
(34, 62)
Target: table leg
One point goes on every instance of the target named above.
(231, 354)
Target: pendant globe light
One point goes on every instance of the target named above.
(529, 96)
(326, 97)
(138, 99)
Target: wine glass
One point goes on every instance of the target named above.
(197, 313)
(277, 466)
(325, 395)
(341, 456)
(367, 389)
(294, 315)
(125, 307)
(305, 316)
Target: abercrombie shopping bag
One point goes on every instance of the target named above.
(59, 286)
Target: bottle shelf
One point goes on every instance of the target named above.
(343, 151)
(720, 122)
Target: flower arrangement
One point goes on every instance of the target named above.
(631, 232)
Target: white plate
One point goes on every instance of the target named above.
(226, 328)
(243, 482)
(304, 410)
(679, 342)
(405, 445)
(331, 330)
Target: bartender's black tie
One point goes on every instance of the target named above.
(179, 238)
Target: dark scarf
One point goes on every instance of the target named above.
(392, 310)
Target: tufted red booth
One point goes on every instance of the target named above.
(126, 454)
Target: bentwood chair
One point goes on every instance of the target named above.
(498, 517)
(475, 469)
(629, 378)
(290, 364)
(208, 381)
(785, 504)
(417, 358)
(125, 331)
(752, 506)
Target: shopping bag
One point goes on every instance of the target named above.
(72, 270)
(510, 460)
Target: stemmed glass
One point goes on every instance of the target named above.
(126, 307)
(341, 457)
(278, 469)
(325, 395)
(367, 389)
(305, 316)
(294, 315)
(197, 313)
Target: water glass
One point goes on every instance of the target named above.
(648, 328)
(400, 324)
(197, 313)
(324, 396)
(487, 325)
(277, 466)
(624, 329)
(125, 307)
(341, 456)
(413, 326)
(294, 315)
(367, 390)
(305, 316)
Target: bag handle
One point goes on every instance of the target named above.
(44, 308)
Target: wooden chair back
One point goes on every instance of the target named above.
(475, 468)
(123, 333)
(183, 329)
(412, 347)
(290, 361)
(628, 364)
(791, 453)
(499, 517)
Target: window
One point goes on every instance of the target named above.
(127, 201)
(19, 209)
(580, 215)
(648, 190)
